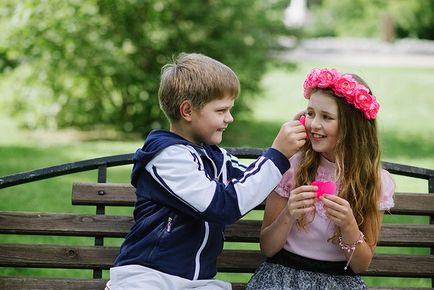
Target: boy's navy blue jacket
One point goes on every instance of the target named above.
(186, 194)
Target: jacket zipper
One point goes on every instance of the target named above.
(169, 224)
(199, 252)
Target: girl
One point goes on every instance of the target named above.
(323, 241)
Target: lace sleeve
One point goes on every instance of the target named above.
(387, 191)
(286, 183)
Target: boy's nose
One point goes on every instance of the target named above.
(229, 118)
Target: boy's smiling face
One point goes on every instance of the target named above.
(208, 123)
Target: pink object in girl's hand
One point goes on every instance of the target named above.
(303, 122)
(324, 187)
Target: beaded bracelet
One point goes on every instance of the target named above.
(351, 247)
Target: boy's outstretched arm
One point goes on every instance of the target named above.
(191, 190)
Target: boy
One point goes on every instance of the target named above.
(187, 188)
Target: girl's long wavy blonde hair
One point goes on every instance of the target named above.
(357, 159)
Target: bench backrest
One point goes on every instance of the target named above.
(241, 255)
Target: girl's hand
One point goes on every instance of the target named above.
(301, 201)
(338, 211)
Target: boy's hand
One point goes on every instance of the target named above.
(290, 138)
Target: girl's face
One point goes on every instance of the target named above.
(322, 123)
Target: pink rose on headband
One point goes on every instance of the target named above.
(363, 99)
(310, 82)
(372, 111)
(345, 86)
(324, 187)
(327, 78)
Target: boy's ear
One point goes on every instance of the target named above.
(185, 110)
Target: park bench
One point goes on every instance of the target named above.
(241, 253)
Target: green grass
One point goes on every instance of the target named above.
(405, 124)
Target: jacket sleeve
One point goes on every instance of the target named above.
(180, 171)
(232, 168)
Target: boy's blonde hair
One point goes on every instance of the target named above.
(194, 77)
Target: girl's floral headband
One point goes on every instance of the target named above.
(344, 86)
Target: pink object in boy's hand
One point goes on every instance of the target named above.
(303, 122)
(324, 187)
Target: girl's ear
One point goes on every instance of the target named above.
(185, 110)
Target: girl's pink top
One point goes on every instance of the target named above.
(312, 242)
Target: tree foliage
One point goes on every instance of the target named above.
(363, 18)
(96, 63)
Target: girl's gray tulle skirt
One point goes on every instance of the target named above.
(277, 277)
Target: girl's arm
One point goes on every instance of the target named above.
(340, 212)
(280, 215)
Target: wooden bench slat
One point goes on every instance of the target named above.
(414, 203)
(399, 235)
(54, 256)
(64, 224)
(114, 194)
(396, 265)
(124, 195)
(20, 283)
(236, 261)
(413, 235)
(403, 235)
